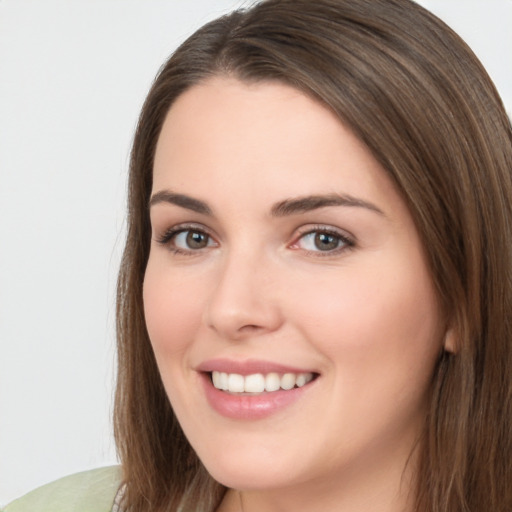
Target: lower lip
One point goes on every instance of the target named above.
(250, 407)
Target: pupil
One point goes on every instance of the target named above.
(196, 240)
(325, 242)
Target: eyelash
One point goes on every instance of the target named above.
(170, 235)
(347, 242)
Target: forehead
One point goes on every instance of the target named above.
(226, 115)
(224, 137)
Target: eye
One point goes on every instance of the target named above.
(190, 239)
(186, 239)
(323, 240)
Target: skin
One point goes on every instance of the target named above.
(364, 316)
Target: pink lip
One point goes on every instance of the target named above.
(249, 407)
(247, 367)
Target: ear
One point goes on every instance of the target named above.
(451, 341)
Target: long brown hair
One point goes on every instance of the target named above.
(416, 95)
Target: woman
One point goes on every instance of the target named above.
(400, 82)
(314, 295)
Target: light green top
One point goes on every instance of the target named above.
(90, 491)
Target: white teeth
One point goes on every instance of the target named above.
(224, 381)
(216, 379)
(220, 380)
(301, 380)
(272, 382)
(288, 381)
(254, 383)
(236, 383)
(259, 383)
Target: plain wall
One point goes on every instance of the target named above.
(73, 76)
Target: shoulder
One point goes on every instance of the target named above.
(89, 491)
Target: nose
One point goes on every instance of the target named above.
(243, 302)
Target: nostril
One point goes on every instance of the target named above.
(249, 328)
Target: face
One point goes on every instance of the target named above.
(287, 296)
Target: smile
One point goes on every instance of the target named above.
(259, 382)
(253, 389)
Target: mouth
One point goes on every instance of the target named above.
(259, 383)
(254, 389)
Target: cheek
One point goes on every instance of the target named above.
(172, 310)
(380, 335)
(383, 321)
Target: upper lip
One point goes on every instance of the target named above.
(248, 367)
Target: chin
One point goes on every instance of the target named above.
(249, 480)
(248, 474)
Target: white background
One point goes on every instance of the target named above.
(73, 75)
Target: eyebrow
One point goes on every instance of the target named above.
(293, 206)
(308, 203)
(165, 196)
